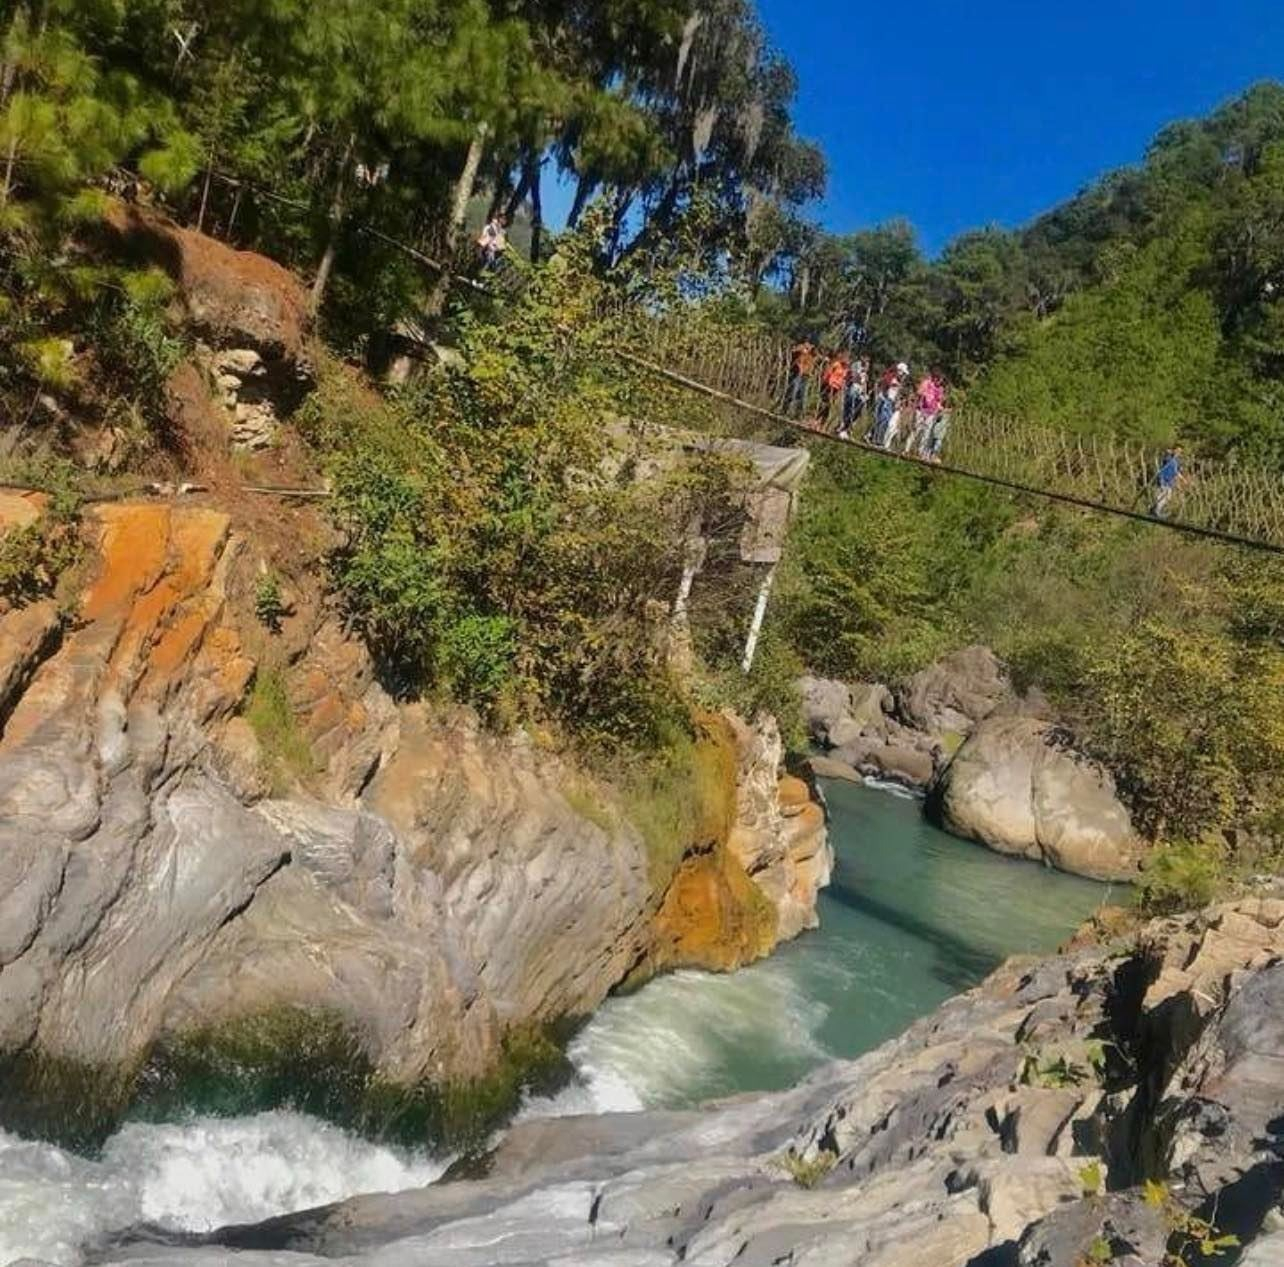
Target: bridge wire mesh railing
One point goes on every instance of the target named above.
(1217, 498)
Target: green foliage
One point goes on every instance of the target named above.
(1053, 1072)
(497, 541)
(1183, 876)
(1191, 1238)
(1100, 1252)
(879, 562)
(285, 752)
(67, 119)
(1092, 1179)
(135, 349)
(1138, 356)
(770, 686)
(1192, 722)
(35, 556)
(677, 796)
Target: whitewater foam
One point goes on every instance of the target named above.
(192, 1176)
(668, 1045)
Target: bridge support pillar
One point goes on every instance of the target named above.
(759, 615)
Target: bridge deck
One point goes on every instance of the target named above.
(1223, 500)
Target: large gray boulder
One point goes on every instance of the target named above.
(1018, 786)
(825, 704)
(949, 697)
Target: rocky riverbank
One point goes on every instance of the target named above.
(1101, 1106)
(206, 828)
(994, 765)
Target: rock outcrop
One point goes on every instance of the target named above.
(1013, 1126)
(947, 699)
(755, 883)
(857, 727)
(1018, 786)
(430, 886)
(248, 315)
(995, 769)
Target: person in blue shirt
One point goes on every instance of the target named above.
(1167, 480)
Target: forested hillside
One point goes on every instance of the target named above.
(1148, 305)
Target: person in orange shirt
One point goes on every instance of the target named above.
(833, 381)
(802, 360)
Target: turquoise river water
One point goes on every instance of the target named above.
(912, 917)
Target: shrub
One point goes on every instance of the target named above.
(807, 1173)
(1182, 876)
(134, 346)
(269, 606)
(35, 556)
(286, 754)
(495, 543)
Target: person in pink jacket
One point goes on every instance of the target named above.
(927, 406)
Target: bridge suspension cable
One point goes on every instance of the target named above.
(1219, 500)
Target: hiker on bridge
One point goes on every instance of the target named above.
(492, 242)
(802, 360)
(833, 386)
(855, 396)
(887, 414)
(937, 432)
(1168, 479)
(928, 402)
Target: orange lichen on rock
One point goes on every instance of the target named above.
(713, 917)
(757, 860)
(133, 544)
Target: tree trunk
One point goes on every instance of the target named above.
(465, 185)
(583, 192)
(9, 69)
(499, 199)
(10, 160)
(537, 208)
(459, 200)
(804, 288)
(326, 266)
(520, 190)
(623, 200)
(236, 207)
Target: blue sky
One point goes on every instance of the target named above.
(958, 114)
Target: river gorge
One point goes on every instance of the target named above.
(912, 917)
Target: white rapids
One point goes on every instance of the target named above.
(668, 1045)
(189, 1176)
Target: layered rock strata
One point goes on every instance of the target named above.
(1013, 1126)
(426, 884)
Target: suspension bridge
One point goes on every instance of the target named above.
(1219, 499)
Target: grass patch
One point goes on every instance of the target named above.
(286, 754)
(804, 1172)
(584, 799)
